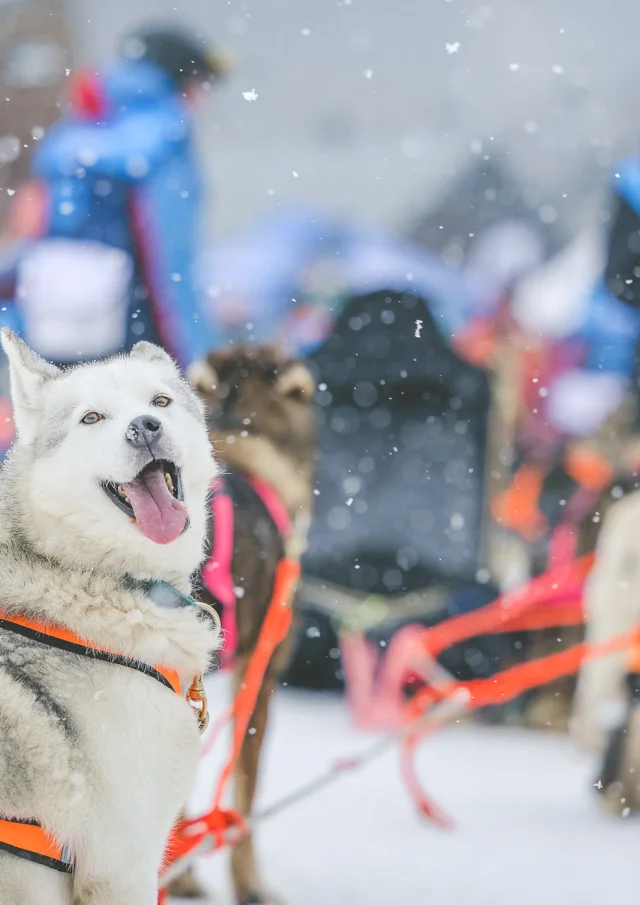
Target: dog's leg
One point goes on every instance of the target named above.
(621, 789)
(187, 886)
(611, 608)
(246, 881)
(122, 891)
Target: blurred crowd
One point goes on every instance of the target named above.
(101, 247)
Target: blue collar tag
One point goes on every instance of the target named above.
(161, 593)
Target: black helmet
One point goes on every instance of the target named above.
(183, 54)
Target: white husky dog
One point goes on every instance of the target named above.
(103, 492)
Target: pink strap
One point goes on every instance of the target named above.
(273, 504)
(563, 546)
(216, 574)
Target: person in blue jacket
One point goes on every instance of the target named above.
(115, 260)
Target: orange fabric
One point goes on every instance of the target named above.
(30, 838)
(502, 687)
(219, 824)
(273, 632)
(514, 608)
(477, 343)
(512, 682)
(633, 663)
(63, 634)
(555, 615)
(588, 468)
(517, 507)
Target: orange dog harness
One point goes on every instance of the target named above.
(26, 838)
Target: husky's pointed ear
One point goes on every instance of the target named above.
(28, 373)
(150, 352)
(295, 381)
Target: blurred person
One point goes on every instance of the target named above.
(578, 343)
(114, 215)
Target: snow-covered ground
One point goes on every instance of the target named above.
(529, 830)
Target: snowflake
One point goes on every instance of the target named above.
(250, 95)
(453, 48)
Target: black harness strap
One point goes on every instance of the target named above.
(72, 648)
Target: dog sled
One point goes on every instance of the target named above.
(400, 499)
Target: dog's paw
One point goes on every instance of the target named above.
(260, 898)
(187, 886)
(621, 798)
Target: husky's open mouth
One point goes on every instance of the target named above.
(153, 500)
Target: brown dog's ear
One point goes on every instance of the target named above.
(295, 381)
(202, 376)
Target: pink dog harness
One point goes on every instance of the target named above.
(217, 573)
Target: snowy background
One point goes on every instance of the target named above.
(376, 103)
(368, 108)
(528, 826)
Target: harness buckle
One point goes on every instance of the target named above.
(197, 698)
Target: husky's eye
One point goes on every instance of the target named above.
(92, 418)
(296, 393)
(161, 401)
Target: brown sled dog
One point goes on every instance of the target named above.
(262, 426)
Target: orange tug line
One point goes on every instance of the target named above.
(221, 823)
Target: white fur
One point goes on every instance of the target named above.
(612, 605)
(109, 784)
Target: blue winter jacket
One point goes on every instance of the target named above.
(126, 176)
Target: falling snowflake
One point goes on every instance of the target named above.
(418, 329)
(514, 67)
(453, 48)
(250, 95)
(368, 73)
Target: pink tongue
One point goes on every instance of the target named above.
(159, 515)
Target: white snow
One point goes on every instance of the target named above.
(528, 826)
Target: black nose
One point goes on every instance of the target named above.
(144, 431)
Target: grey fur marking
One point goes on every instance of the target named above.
(42, 698)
